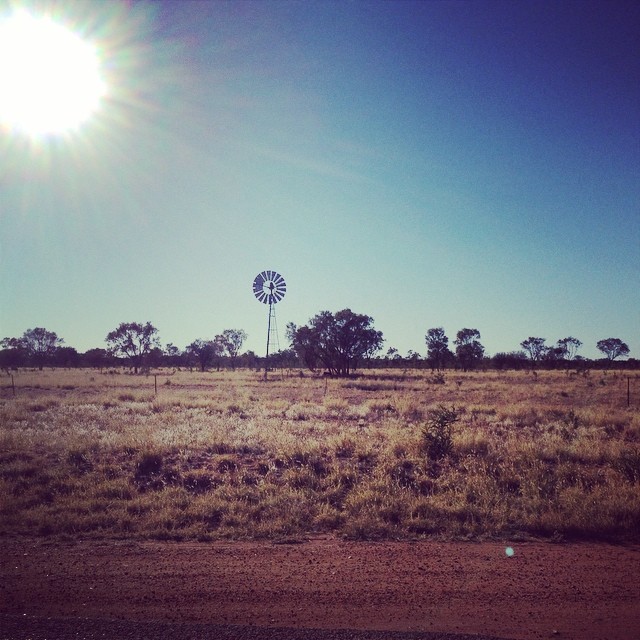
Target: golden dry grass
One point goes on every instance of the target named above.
(227, 455)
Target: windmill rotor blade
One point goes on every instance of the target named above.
(269, 287)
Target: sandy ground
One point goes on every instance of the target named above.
(374, 590)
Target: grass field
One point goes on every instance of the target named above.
(389, 454)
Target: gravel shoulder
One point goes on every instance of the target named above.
(323, 589)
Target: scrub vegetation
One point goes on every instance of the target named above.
(384, 455)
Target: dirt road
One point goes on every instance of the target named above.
(260, 590)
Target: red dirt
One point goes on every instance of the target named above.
(580, 591)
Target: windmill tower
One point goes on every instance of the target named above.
(269, 288)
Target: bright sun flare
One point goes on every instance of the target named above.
(50, 79)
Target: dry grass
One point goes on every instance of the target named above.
(226, 455)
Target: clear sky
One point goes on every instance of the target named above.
(453, 163)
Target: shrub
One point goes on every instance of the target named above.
(198, 482)
(629, 465)
(345, 447)
(149, 464)
(437, 437)
(80, 461)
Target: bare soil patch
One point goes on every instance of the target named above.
(321, 588)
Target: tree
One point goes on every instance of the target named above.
(535, 349)
(250, 360)
(172, 356)
(335, 341)
(469, 351)
(97, 358)
(569, 347)
(613, 348)
(133, 340)
(38, 345)
(232, 341)
(66, 357)
(11, 355)
(302, 342)
(437, 348)
(155, 357)
(203, 352)
(285, 358)
(512, 360)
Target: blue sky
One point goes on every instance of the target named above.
(454, 164)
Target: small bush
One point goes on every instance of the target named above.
(149, 464)
(198, 482)
(80, 461)
(629, 465)
(227, 464)
(437, 437)
(345, 448)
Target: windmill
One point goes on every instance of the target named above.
(269, 287)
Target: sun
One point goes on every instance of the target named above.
(50, 77)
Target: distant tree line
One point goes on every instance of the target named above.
(335, 343)
(133, 344)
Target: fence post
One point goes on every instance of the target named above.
(155, 382)
(628, 391)
(13, 386)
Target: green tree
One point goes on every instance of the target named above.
(203, 352)
(133, 340)
(172, 356)
(613, 348)
(66, 357)
(231, 341)
(569, 347)
(535, 349)
(38, 345)
(512, 360)
(13, 353)
(438, 352)
(337, 341)
(469, 351)
(97, 358)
